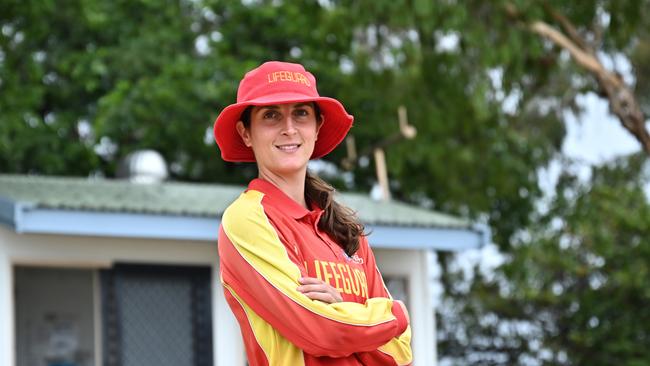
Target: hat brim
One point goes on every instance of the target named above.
(336, 124)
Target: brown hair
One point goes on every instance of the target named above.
(337, 220)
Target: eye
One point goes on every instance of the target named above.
(301, 112)
(270, 114)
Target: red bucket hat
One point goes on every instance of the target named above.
(276, 82)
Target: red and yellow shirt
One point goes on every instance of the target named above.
(267, 242)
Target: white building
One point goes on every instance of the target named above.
(107, 272)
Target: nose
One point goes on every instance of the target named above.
(289, 126)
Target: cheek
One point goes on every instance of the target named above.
(261, 137)
(312, 132)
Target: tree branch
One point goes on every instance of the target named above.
(568, 27)
(583, 58)
(622, 101)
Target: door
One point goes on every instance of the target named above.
(157, 316)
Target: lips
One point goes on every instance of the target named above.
(288, 147)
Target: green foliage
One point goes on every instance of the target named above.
(154, 74)
(574, 289)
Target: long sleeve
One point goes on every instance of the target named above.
(261, 274)
(397, 351)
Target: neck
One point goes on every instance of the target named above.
(293, 185)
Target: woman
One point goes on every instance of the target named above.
(296, 267)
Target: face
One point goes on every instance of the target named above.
(282, 137)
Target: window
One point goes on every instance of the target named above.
(398, 288)
(129, 315)
(157, 315)
(54, 316)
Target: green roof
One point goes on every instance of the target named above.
(187, 199)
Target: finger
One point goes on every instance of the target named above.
(337, 296)
(313, 288)
(312, 284)
(321, 296)
(322, 287)
(310, 281)
(326, 293)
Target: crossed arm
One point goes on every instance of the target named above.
(317, 289)
(398, 350)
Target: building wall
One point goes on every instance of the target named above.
(7, 356)
(98, 252)
(413, 266)
(101, 252)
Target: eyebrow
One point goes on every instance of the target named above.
(275, 106)
(268, 107)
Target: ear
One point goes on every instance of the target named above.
(319, 124)
(243, 133)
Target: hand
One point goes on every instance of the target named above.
(406, 312)
(316, 289)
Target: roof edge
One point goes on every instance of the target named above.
(37, 220)
(485, 234)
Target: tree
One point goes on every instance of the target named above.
(86, 83)
(567, 294)
(98, 80)
(574, 289)
(621, 98)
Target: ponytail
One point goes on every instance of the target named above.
(339, 221)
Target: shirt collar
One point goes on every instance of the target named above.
(279, 198)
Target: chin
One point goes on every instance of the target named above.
(291, 166)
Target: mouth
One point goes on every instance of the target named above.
(288, 147)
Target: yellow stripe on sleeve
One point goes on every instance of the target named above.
(399, 348)
(278, 350)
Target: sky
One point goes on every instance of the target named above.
(597, 136)
(593, 137)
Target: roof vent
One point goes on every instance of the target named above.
(143, 166)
